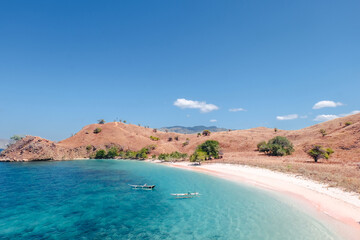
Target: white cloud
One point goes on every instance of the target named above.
(237, 110)
(303, 117)
(203, 106)
(287, 117)
(324, 104)
(325, 117)
(213, 120)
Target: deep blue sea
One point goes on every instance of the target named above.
(91, 199)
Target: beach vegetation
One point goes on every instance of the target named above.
(206, 151)
(172, 156)
(317, 152)
(112, 152)
(142, 154)
(97, 130)
(277, 146)
(100, 154)
(89, 147)
(198, 134)
(153, 156)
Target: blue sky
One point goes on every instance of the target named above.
(65, 64)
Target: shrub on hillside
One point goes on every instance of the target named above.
(101, 121)
(323, 132)
(317, 152)
(154, 138)
(16, 138)
(206, 133)
(277, 146)
(97, 130)
(348, 124)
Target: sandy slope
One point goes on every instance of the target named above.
(345, 140)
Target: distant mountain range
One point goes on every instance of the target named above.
(190, 130)
(4, 143)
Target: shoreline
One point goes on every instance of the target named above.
(342, 208)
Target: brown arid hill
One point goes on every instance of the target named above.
(345, 140)
(238, 147)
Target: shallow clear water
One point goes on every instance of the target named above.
(91, 199)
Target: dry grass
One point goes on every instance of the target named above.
(334, 174)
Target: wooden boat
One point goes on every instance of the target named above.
(145, 186)
(185, 195)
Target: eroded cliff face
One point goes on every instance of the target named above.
(341, 137)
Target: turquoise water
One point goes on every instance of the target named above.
(91, 199)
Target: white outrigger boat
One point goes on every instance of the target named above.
(185, 195)
(145, 186)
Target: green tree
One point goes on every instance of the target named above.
(16, 138)
(277, 146)
(206, 133)
(207, 150)
(280, 146)
(101, 121)
(198, 156)
(260, 144)
(317, 152)
(100, 154)
(112, 152)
